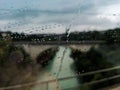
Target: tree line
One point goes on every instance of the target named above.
(110, 36)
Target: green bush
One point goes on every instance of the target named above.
(15, 65)
(47, 55)
(89, 61)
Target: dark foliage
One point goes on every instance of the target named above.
(91, 60)
(47, 55)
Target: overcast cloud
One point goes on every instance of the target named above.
(53, 16)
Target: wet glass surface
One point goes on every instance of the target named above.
(59, 44)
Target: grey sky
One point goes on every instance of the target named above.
(53, 16)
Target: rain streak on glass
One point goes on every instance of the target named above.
(59, 44)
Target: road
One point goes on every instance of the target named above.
(58, 42)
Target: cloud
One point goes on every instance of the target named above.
(81, 14)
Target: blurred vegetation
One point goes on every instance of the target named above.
(110, 36)
(47, 55)
(92, 60)
(16, 66)
(111, 52)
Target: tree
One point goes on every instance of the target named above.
(89, 61)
